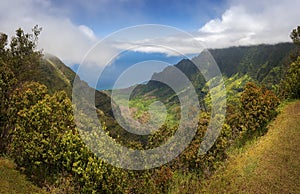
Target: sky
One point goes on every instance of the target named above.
(72, 28)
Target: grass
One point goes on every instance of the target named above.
(13, 182)
(140, 109)
(268, 164)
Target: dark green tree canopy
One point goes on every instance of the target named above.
(295, 35)
(21, 54)
(290, 85)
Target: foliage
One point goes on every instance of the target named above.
(38, 132)
(290, 87)
(22, 58)
(18, 63)
(295, 35)
(47, 147)
(7, 82)
(291, 84)
(191, 161)
(258, 107)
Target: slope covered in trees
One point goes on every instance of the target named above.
(263, 63)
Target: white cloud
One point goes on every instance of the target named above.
(171, 46)
(60, 36)
(235, 19)
(252, 22)
(88, 32)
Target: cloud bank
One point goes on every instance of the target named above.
(252, 22)
(243, 23)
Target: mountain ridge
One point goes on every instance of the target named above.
(264, 63)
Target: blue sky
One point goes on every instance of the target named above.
(108, 16)
(72, 28)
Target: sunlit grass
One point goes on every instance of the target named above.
(12, 181)
(270, 164)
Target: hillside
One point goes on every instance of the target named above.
(265, 64)
(270, 164)
(258, 61)
(232, 61)
(55, 74)
(265, 61)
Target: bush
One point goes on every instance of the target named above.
(258, 107)
(38, 133)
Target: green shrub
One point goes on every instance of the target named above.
(38, 132)
(258, 107)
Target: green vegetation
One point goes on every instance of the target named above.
(39, 134)
(291, 83)
(263, 63)
(290, 86)
(55, 75)
(295, 35)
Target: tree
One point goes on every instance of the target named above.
(23, 43)
(18, 63)
(290, 85)
(291, 82)
(3, 43)
(295, 35)
(7, 82)
(22, 57)
(24, 97)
